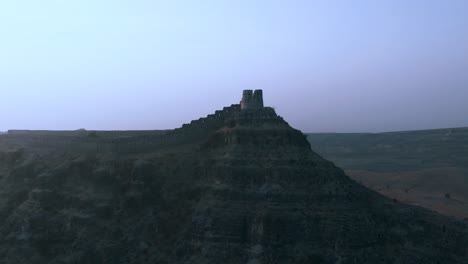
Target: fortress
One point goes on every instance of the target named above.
(252, 99)
(136, 141)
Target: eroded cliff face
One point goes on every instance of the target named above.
(243, 187)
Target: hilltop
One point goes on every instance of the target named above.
(239, 186)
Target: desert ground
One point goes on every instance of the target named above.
(428, 168)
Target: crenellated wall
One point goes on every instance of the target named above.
(120, 142)
(207, 122)
(139, 141)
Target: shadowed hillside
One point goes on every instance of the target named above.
(239, 186)
(427, 167)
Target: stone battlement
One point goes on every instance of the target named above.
(252, 99)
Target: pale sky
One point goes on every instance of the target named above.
(335, 66)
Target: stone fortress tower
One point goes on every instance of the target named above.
(252, 99)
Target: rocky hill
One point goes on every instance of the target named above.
(240, 186)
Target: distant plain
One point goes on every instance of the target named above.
(428, 168)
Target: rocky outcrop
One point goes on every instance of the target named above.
(241, 186)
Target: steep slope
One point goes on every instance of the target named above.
(244, 187)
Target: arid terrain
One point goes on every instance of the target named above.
(427, 168)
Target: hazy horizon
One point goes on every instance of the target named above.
(326, 66)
